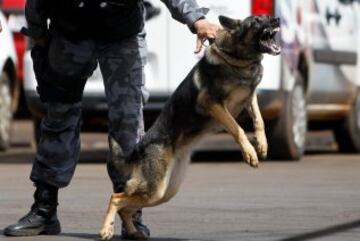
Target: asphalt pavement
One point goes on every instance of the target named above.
(317, 198)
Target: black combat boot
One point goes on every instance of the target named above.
(42, 218)
(143, 231)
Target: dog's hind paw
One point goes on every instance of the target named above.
(261, 146)
(250, 156)
(262, 151)
(107, 233)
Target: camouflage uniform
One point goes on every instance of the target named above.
(121, 64)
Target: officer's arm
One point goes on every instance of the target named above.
(189, 12)
(36, 13)
(186, 11)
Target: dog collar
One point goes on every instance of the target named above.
(233, 61)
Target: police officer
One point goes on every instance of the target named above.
(71, 38)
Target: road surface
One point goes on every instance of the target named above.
(317, 198)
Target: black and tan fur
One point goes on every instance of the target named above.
(217, 89)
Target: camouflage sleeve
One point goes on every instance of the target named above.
(36, 13)
(186, 11)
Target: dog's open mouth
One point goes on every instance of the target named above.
(268, 43)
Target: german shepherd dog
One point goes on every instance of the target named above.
(217, 89)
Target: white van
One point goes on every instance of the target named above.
(8, 82)
(312, 83)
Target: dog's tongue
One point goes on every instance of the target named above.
(269, 41)
(276, 49)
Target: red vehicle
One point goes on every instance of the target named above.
(14, 12)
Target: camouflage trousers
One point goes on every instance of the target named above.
(121, 64)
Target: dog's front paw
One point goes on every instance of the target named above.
(250, 155)
(261, 145)
(107, 232)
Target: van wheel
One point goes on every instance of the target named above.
(6, 114)
(287, 134)
(347, 133)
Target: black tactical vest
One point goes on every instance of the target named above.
(102, 20)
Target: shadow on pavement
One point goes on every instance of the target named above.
(300, 237)
(97, 238)
(73, 235)
(87, 236)
(322, 152)
(324, 232)
(173, 239)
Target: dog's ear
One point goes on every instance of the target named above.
(229, 23)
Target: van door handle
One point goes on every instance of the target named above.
(336, 15)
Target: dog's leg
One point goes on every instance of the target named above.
(107, 231)
(126, 215)
(254, 111)
(126, 206)
(126, 218)
(222, 115)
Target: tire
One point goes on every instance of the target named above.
(6, 114)
(287, 134)
(347, 133)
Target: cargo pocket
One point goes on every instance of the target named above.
(72, 59)
(53, 86)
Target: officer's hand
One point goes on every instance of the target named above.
(205, 30)
(42, 42)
